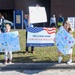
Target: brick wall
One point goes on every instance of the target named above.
(24, 4)
(64, 7)
(7, 4)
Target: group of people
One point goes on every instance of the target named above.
(67, 27)
(7, 28)
(53, 21)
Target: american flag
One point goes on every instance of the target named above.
(39, 29)
(50, 30)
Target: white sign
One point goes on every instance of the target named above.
(39, 36)
(72, 21)
(37, 14)
(64, 41)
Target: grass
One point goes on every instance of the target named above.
(42, 54)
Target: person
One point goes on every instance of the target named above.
(67, 27)
(27, 24)
(53, 21)
(7, 54)
(60, 20)
(1, 20)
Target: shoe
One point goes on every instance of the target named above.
(59, 59)
(69, 61)
(32, 52)
(10, 62)
(25, 53)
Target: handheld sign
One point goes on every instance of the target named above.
(37, 14)
(9, 41)
(64, 41)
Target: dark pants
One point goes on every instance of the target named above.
(53, 25)
(32, 48)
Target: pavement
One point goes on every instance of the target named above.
(37, 69)
(36, 66)
(39, 72)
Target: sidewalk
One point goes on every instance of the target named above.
(39, 72)
(36, 66)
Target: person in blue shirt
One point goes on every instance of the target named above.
(27, 24)
(60, 20)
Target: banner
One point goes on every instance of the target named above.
(64, 41)
(37, 14)
(39, 36)
(9, 41)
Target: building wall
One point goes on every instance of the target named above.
(6, 8)
(7, 4)
(64, 7)
(24, 4)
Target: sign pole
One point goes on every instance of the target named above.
(14, 18)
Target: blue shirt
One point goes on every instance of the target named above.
(61, 19)
(52, 20)
(25, 21)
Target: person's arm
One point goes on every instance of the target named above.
(29, 24)
(8, 22)
(29, 20)
(25, 23)
(71, 33)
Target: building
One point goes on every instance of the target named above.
(66, 7)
